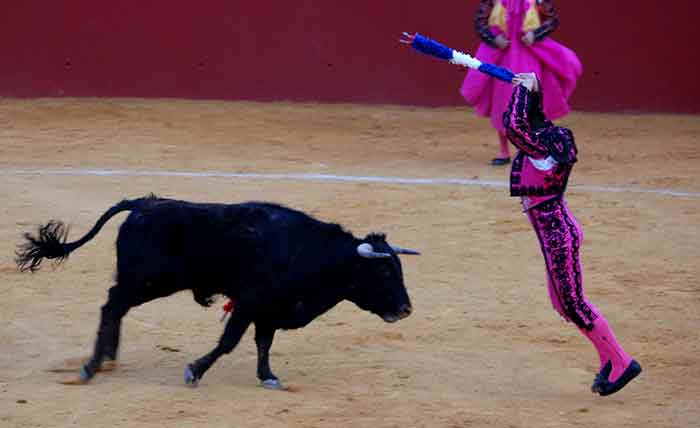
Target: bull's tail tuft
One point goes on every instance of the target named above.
(49, 244)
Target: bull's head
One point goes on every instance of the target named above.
(377, 283)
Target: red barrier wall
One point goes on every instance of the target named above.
(638, 55)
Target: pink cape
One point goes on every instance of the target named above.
(557, 67)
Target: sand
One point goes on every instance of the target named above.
(483, 348)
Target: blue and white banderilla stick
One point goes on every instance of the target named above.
(436, 49)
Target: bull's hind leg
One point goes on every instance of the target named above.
(120, 299)
(107, 341)
(263, 340)
(234, 330)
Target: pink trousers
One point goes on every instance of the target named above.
(560, 238)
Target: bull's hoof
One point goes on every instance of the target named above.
(83, 378)
(190, 376)
(273, 384)
(86, 373)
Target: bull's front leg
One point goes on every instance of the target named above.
(234, 330)
(264, 334)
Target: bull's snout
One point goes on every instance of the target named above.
(405, 311)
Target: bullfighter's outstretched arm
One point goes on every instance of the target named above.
(517, 124)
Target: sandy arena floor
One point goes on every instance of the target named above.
(483, 348)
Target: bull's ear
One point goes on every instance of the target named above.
(399, 250)
(366, 251)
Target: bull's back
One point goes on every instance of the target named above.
(182, 235)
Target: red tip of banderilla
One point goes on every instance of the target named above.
(228, 308)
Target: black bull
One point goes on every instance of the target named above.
(282, 267)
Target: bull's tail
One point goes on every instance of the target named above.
(51, 240)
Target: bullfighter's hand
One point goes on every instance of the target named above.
(528, 80)
(528, 38)
(501, 42)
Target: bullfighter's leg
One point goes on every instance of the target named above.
(560, 236)
(120, 300)
(264, 335)
(235, 328)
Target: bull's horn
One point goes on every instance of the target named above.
(399, 250)
(365, 250)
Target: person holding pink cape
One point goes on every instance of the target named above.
(515, 35)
